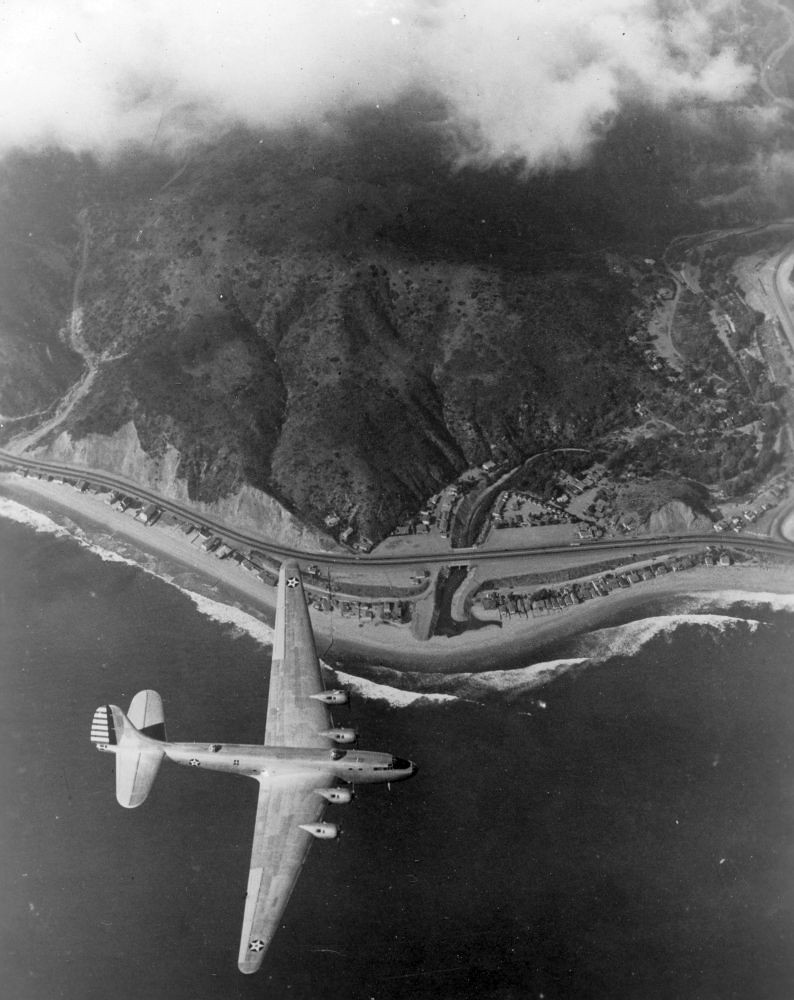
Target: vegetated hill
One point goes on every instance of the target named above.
(342, 319)
(38, 201)
(665, 506)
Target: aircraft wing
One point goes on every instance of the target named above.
(280, 848)
(294, 718)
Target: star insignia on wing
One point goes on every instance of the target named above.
(292, 582)
(194, 762)
(257, 945)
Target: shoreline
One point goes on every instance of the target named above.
(171, 558)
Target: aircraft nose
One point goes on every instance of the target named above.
(401, 764)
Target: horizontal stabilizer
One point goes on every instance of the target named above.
(138, 755)
(135, 774)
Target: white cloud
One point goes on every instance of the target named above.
(535, 78)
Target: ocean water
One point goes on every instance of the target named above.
(617, 821)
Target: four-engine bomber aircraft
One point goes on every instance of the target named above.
(301, 766)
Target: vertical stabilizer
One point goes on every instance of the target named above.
(146, 714)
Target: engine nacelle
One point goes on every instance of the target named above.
(339, 795)
(322, 831)
(340, 735)
(335, 697)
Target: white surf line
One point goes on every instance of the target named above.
(396, 697)
(230, 615)
(621, 640)
(752, 598)
(519, 679)
(217, 610)
(225, 614)
(628, 639)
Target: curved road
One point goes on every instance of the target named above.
(779, 544)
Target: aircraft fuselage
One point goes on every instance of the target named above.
(263, 762)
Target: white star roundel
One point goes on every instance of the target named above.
(257, 945)
(292, 582)
(194, 762)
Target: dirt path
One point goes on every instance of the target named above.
(77, 342)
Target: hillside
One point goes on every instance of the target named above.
(341, 320)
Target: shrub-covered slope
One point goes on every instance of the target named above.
(343, 320)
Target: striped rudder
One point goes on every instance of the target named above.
(103, 730)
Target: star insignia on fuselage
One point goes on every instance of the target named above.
(292, 582)
(257, 945)
(194, 762)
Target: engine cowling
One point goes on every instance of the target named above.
(322, 831)
(340, 735)
(339, 795)
(335, 697)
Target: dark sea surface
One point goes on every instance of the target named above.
(634, 838)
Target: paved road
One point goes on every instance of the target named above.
(781, 538)
(509, 558)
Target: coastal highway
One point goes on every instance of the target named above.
(589, 550)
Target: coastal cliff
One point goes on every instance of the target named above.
(247, 508)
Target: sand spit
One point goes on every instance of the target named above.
(171, 557)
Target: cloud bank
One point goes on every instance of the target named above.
(537, 80)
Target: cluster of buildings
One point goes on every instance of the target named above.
(398, 612)
(514, 509)
(518, 509)
(441, 508)
(251, 561)
(348, 535)
(559, 598)
(739, 521)
(439, 512)
(772, 492)
(255, 563)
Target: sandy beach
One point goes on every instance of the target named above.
(166, 553)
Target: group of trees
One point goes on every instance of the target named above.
(734, 462)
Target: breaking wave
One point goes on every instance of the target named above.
(751, 598)
(628, 639)
(227, 614)
(396, 697)
(400, 688)
(13, 511)
(216, 610)
(596, 647)
(514, 682)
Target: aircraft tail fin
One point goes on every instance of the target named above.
(135, 740)
(146, 714)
